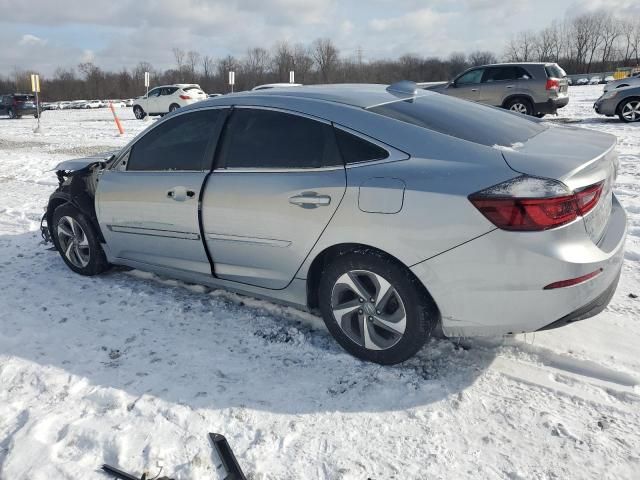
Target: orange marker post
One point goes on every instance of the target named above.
(115, 117)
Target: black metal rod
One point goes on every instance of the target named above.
(118, 473)
(229, 462)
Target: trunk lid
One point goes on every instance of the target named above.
(578, 158)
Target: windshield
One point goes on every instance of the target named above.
(461, 119)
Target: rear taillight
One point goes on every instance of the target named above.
(185, 97)
(553, 84)
(534, 204)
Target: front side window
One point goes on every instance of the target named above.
(469, 78)
(257, 138)
(155, 92)
(180, 143)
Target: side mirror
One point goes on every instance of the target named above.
(452, 84)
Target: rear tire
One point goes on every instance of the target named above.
(173, 107)
(139, 112)
(375, 308)
(520, 105)
(77, 242)
(629, 110)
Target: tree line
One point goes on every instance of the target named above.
(590, 42)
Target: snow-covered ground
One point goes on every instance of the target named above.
(131, 369)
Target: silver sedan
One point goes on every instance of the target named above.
(392, 211)
(624, 102)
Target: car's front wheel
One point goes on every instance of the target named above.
(520, 105)
(629, 110)
(11, 113)
(139, 112)
(77, 241)
(375, 308)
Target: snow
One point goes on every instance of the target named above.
(132, 369)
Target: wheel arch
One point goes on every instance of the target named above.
(624, 100)
(61, 198)
(524, 96)
(329, 254)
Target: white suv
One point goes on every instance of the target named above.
(167, 98)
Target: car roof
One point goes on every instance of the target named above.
(356, 95)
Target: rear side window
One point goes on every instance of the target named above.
(461, 119)
(554, 71)
(180, 143)
(268, 139)
(496, 74)
(169, 90)
(355, 149)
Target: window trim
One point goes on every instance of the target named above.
(218, 169)
(394, 155)
(125, 152)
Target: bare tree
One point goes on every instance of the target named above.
(283, 61)
(457, 63)
(481, 58)
(325, 55)
(192, 61)
(302, 63)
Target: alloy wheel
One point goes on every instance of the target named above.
(138, 112)
(73, 242)
(368, 309)
(631, 111)
(519, 107)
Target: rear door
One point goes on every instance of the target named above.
(467, 86)
(165, 99)
(279, 180)
(147, 205)
(152, 102)
(498, 83)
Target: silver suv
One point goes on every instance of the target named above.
(530, 88)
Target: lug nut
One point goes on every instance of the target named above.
(377, 312)
(361, 300)
(371, 319)
(359, 312)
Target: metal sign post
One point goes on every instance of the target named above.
(292, 77)
(35, 88)
(232, 79)
(146, 84)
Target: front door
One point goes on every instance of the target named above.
(467, 86)
(278, 182)
(147, 205)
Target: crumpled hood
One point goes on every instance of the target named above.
(80, 163)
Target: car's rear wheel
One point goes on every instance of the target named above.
(520, 105)
(375, 308)
(173, 107)
(139, 112)
(77, 242)
(629, 110)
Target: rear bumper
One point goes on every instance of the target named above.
(591, 309)
(551, 105)
(494, 284)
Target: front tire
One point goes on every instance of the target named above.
(12, 114)
(629, 110)
(520, 105)
(139, 112)
(77, 242)
(375, 308)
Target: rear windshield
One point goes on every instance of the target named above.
(461, 119)
(186, 89)
(554, 71)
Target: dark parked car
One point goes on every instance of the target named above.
(15, 105)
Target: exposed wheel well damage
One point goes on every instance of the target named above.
(331, 253)
(78, 189)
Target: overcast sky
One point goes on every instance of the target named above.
(44, 34)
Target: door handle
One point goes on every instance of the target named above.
(474, 89)
(180, 194)
(310, 200)
(509, 86)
